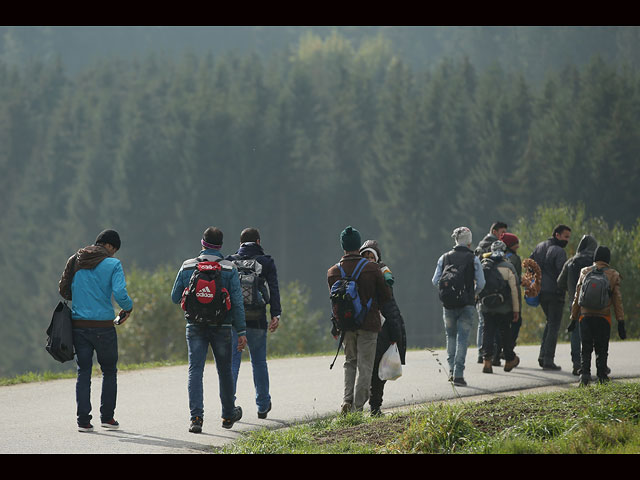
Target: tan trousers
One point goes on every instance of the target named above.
(360, 352)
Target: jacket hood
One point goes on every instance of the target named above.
(587, 244)
(89, 257)
(250, 249)
(373, 245)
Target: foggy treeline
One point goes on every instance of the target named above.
(299, 144)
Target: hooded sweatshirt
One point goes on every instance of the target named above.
(568, 278)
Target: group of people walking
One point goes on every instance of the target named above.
(225, 307)
(487, 283)
(225, 301)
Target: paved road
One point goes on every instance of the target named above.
(153, 413)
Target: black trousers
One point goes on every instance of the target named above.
(553, 307)
(497, 322)
(595, 333)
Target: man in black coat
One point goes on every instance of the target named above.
(551, 257)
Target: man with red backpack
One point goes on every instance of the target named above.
(208, 288)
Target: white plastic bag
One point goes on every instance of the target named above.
(390, 366)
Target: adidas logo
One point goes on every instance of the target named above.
(205, 292)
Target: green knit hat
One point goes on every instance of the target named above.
(350, 239)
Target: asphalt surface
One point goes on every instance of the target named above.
(152, 406)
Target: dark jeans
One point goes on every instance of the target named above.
(595, 333)
(553, 307)
(377, 385)
(104, 341)
(497, 322)
(199, 337)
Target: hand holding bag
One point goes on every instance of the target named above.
(390, 367)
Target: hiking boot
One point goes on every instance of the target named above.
(228, 422)
(111, 424)
(376, 412)
(346, 408)
(459, 381)
(510, 365)
(551, 366)
(196, 425)
(85, 427)
(264, 414)
(487, 368)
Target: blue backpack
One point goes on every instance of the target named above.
(347, 308)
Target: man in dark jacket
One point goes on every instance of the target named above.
(360, 345)
(484, 247)
(567, 281)
(393, 329)
(551, 257)
(256, 317)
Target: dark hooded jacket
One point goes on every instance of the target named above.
(87, 257)
(551, 257)
(270, 274)
(393, 329)
(568, 278)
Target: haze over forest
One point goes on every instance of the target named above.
(403, 132)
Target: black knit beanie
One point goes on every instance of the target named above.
(109, 236)
(602, 254)
(350, 239)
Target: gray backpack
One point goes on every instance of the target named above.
(255, 290)
(595, 293)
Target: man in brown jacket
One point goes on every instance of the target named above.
(595, 324)
(360, 345)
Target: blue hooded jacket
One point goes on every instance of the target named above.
(230, 281)
(269, 272)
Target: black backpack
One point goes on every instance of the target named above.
(255, 291)
(496, 291)
(595, 293)
(205, 300)
(60, 334)
(452, 287)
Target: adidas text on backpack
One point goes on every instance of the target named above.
(595, 293)
(205, 300)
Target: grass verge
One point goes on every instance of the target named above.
(601, 419)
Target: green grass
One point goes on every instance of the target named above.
(602, 419)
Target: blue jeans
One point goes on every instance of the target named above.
(103, 341)
(257, 342)
(199, 337)
(457, 325)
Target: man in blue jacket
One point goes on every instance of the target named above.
(256, 316)
(91, 276)
(202, 334)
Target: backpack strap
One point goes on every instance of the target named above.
(339, 345)
(356, 271)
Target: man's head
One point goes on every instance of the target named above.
(350, 239)
(110, 240)
(511, 241)
(250, 235)
(498, 228)
(602, 254)
(462, 236)
(562, 234)
(212, 238)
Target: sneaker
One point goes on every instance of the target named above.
(346, 408)
(376, 412)
(551, 366)
(228, 422)
(111, 424)
(459, 382)
(508, 366)
(85, 428)
(196, 425)
(264, 414)
(576, 371)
